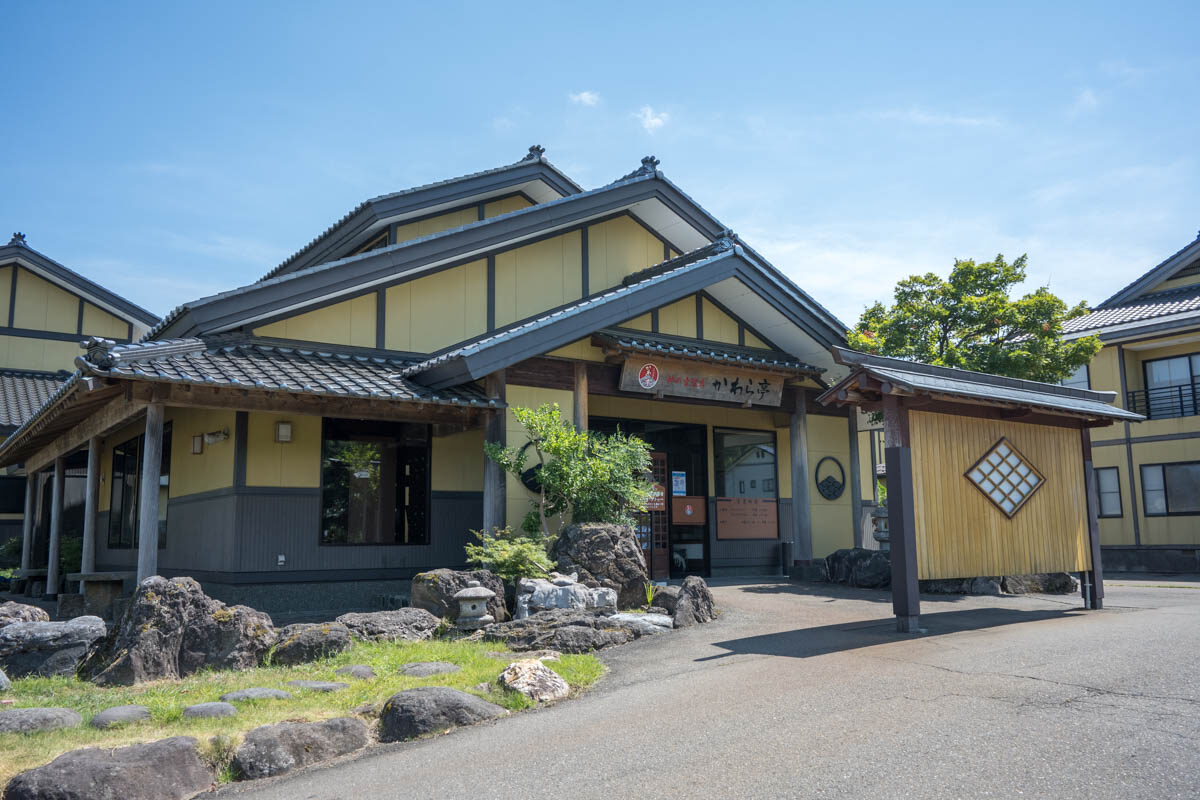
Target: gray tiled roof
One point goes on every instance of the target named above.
(251, 364)
(1155, 275)
(678, 347)
(22, 393)
(928, 379)
(1149, 306)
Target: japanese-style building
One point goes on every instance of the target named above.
(314, 439)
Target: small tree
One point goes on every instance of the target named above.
(509, 554)
(970, 321)
(584, 476)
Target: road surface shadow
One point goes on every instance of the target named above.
(825, 639)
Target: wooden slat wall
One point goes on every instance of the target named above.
(961, 534)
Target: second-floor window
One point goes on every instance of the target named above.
(1171, 388)
(1171, 488)
(1079, 379)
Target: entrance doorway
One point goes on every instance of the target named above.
(674, 540)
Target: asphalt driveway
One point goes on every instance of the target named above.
(805, 690)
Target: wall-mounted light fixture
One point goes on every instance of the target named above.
(197, 444)
(283, 432)
(216, 436)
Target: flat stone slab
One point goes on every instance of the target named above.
(209, 711)
(425, 669)
(646, 624)
(431, 709)
(119, 715)
(32, 720)
(280, 748)
(255, 693)
(360, 671)
(318, 686)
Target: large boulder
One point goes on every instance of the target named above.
(561, 591)
(431, 709)
(402, 624)
(308, 641)
(172, 629)
(857, 566)
(34, 720)
(434, 591)
(667, 598)
(1044, 583)
(47, 648)
(609, 555)
(695, 604)
(169, 769)
(11, 612)
(564, 630)
(535, 680)
(276, 749)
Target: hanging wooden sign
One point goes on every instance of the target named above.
(702, 381)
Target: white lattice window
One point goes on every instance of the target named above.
(1006, 477)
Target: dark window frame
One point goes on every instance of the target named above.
(326, 424)
(718, 429)
(114, 518)
(1099, 500)
(12, 489)
(1162, 465)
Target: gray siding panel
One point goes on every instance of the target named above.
(200, 532)
(111, 559)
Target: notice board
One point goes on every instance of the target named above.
(747, 518)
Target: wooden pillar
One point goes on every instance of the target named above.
(148, 496)
(801, 498)
(860, 540)
(1093, 587)
(27, 525)
(902, 526)
(90, 497)
(56, 522)
(495, 509)
(581, 396)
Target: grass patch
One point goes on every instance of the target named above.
(219, 737)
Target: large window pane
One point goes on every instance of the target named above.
(126, 487)
(1109, 491)
(1078, 379)
(1154, 497)
(745, 464)
(375, 483)
(1168, 372)
(1183, 488)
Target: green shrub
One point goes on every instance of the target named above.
(510, 554)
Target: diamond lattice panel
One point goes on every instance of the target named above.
(1006, 477)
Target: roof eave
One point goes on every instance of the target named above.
(1155, 275)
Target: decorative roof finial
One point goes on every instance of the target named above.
(536, 151)
(18, 238)
(649, 167)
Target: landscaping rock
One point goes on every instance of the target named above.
(366, 710)
(308, 641)
(172, 629)
(71, 605)
(857, 566)
(210, 711)
(667, 597)
(607, 554)
(318, 686)
(169, 769)
(281, 748)
(538, 594)
(360, 671)
(255, 693)
(5, 683)
(540, 655)
(402, 624)
(434, 591)
(424, 669)
(562, 630)
(945, 586)
(696, 604)
(430, 709)
(535, 680)
(32, 720)
(646, 624)
(985, 586)
(11, 612)
(1044, 583)
(119, 715)
(47, 648)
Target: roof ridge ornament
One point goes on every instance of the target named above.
(18, 238)
(99, 352)
(536, 151)
(649, 167)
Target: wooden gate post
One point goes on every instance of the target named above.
(902, 521)
(1093, 588)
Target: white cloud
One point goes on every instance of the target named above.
(917, 116)
(501, 124)
(650, 120)
(584, 98)
(1124, 72)
(1086, 100)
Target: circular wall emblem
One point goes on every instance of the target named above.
(648, 376)
(829, 487)
(687, 510)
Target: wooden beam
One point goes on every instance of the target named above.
(581, 396)
(27, 522)
(56, 526)
(108, 417)
(90, 505)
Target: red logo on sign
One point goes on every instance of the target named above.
(648, 376)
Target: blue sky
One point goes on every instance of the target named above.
(173, 150)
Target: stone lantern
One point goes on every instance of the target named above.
(472, 606)
(880, 518)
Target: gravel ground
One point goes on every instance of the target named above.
(805, 690)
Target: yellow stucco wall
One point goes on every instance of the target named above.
(1174, 283)
(538, 277)
(43, 306)
(581, 349)
(1104, 374)
(719, 326)
(497, 207)
(442, 222)
(642, 323)
(832, 526)
(1116, 530)
(293, 464)
(5, 295)
(438, 310)
(20, 352)
(458, 462)
(617, 248)
(517, 497)
(351, 322)
(1177, 530)
(678, 318)
(98, 322)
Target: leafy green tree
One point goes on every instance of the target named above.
(971, 321)
(584, 476)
